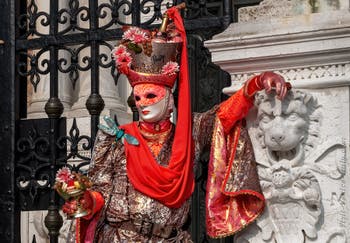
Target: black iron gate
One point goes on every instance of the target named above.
(33, 149)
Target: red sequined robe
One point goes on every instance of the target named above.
(129, 216)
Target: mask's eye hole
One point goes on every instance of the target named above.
(137, 98)
(151, 96)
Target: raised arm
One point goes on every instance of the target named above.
(238, 105)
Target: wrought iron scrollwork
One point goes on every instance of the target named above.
(33, 164)
(29, 21)
(33, 65)
(74, 13)
(206, 9)
(34, 149)
(115, 9)
(78, 62)
(105, 60)
(74, 141)
(151, 6)
(197, 9)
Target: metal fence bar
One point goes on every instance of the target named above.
(94, 103)
(54, 109)
(10, 111)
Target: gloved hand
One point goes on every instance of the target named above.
(267, 81)
(70, 206)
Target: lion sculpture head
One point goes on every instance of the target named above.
(287, 129)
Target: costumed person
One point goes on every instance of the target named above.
(142, 173)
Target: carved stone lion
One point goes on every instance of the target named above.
(287, 130)
(294, 160)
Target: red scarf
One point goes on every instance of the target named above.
(174, 184)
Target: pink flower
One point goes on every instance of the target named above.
(128, 35)
(64, 175)
(135, 35)
(170, 68)
(119, 50)
(121, 56)
(124, 59)
(140, 37)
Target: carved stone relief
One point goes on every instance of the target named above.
(271, 8)
(268, 9)
(302, 170)
(307, 76)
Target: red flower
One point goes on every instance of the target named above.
(64, 175)
(124, 59)
(71, 183)
(119, 50)
(170, 68)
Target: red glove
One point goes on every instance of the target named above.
(267, 81)
(86, 201)
(70, 206)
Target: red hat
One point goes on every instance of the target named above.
(149, 56)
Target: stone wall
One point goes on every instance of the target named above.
(301, 144)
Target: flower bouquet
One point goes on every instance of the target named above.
(71, 186)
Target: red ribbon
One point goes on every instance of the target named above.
(174, 184)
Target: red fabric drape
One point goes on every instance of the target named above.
(229, 211)
(85, 226)
(174, 184)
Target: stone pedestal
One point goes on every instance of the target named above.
(304, 175)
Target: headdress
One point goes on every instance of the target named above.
(146, 56)
(171, 185)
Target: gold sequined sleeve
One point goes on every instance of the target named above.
(101, 167)
(203, 124)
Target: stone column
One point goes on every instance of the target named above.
(114, 104)
(37, 99)
(304, 178)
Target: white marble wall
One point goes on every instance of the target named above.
(309, 44)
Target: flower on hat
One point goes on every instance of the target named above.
(118, 50)
(136, 35)
(122, 57)
(170, 68)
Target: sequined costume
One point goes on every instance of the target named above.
(128, 215)
(141, 191)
